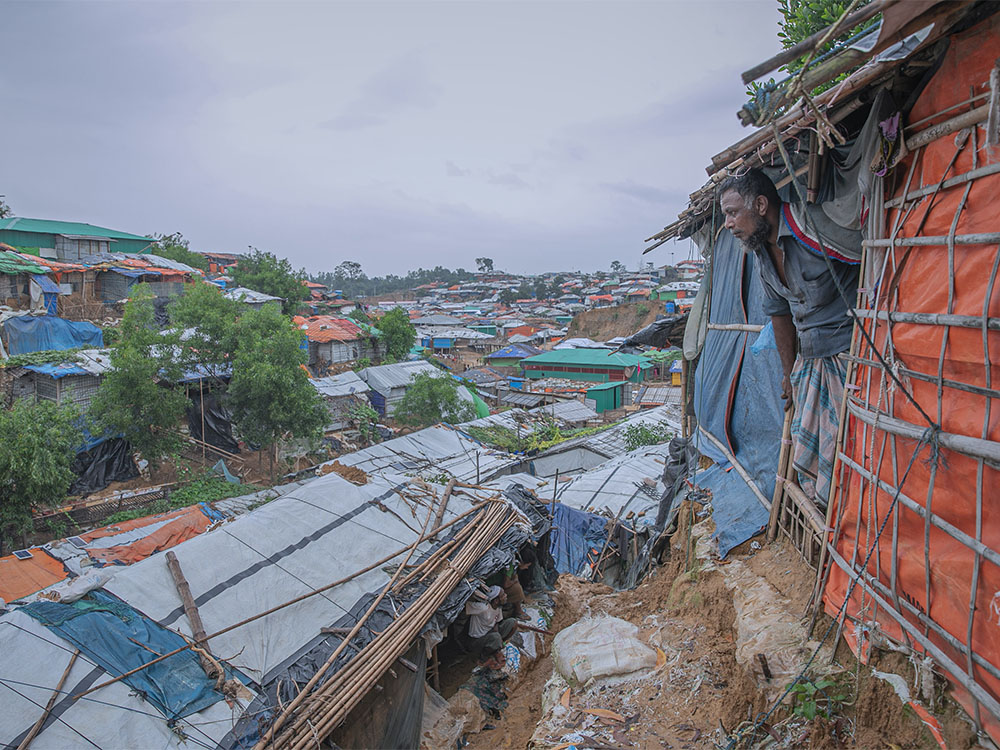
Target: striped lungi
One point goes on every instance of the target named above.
(818, 389)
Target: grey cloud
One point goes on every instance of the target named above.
(645, 193)
(398, 87)
(453, 170)
(507, 179)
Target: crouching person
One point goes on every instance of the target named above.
(488, 629)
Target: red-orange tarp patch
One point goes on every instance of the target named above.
(20, 578)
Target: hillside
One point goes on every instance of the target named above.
(606, 323)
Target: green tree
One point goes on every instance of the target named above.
(485, 265)
(40, 442)
(540, 290)
(360, 316)
(211, 318)
(134, 399)
(349, 269)
(617, 267)
(431, 399)
(175, 247)
(398, 333)
(508, 296)
(265, 272)
(269, 394)
(5, 210)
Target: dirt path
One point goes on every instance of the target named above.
(701, 694)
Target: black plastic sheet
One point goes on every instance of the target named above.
(218, 422)
(107, 462)
(665, 331)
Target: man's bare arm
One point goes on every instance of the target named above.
(784, 339)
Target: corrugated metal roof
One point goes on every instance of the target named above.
(340, 385)
(586, 358)
(47, 226)
(438, 320)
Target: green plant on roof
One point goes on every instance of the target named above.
(639, 435)
(431, 399)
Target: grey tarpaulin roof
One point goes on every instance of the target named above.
(344, 384)
(384, 378)
(570, 410)
(242, 294)
(313, 535)
(617, 483)
(435, 450)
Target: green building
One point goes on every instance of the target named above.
(67, 240)
(596, 365)
(607, 396)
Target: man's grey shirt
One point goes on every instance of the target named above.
(812, 299)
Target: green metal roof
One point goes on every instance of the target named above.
(586, 358)
(607, 386)
(45, 226)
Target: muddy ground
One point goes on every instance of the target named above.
(703, 696)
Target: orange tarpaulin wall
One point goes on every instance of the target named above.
(932, 581)
(23, 577)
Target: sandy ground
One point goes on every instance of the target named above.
(701, 695)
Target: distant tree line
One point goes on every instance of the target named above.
(350, 278)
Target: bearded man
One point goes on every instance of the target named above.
(807, 298)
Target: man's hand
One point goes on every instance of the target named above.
(786, 392)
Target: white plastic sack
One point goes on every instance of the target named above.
(600, 647)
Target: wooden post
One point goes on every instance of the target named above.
(555, 486)
(191, 610)
(784, 457)
(201, 398)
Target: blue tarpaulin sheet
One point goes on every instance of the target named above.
(574, 534)
(135, 273)
(101, 626)
(737, 517)
(45, 283)
(737, 394)
(57, 370)
(29, 333)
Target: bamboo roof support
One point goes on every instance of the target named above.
(988, 450)
(960, 179)
(865, 13)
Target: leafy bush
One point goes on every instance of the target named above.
(37, 450)
(431, 399)
(365, 417)
(638, 435)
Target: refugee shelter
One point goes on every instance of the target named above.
(586, 364)
(341, 394)
(275, 559)
(896, 166)
(67, 240)
(511, 355)
(335, 339)
(389, 383)
(253, 299)
(23, 334)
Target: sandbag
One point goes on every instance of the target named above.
(600, 647)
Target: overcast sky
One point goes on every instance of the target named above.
(546, 135)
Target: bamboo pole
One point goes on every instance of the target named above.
(747, 327)
(961, 179)
(48, 706)
(289, 603)
(739, 468)
(280, 720)
(447, 496)
(784, 457)
(331, 703)
(802, 48)
(194, 617)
